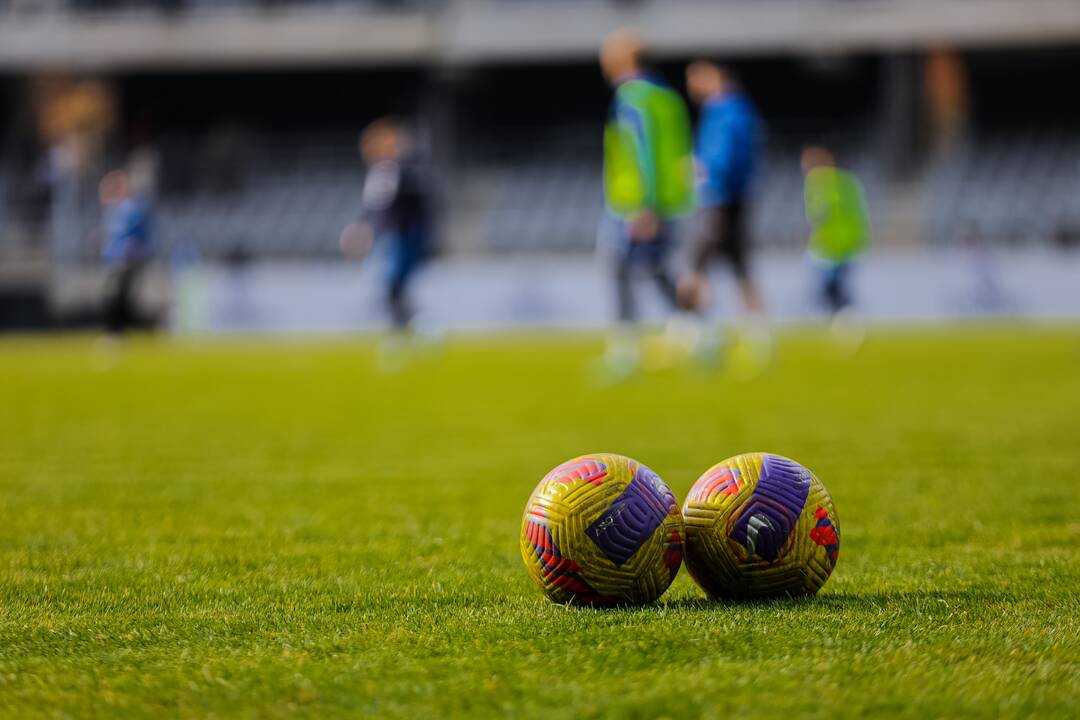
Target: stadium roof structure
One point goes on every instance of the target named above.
(471, 32)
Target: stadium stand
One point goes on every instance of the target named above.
(545, 196)
(530, 189)
(284, 205)
(1007, 188)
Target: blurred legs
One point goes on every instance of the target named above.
(119, 307)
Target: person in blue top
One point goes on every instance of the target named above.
(727, 147)
(128, 225)
(397, 211)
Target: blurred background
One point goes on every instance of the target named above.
(238, 122)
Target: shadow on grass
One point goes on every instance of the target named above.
(930, 600)
(851, 601)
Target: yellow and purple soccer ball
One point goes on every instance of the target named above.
(602, 530)
(760, 525)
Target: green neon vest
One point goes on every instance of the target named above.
(648, 152)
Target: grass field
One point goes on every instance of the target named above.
(268, 529)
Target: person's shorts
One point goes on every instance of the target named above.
(651, 252)
(721, 233)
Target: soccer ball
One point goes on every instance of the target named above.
(760, 525)
(602, 530)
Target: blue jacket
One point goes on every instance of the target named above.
(728, 143)
(128, 227)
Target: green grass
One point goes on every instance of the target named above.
(268, 529)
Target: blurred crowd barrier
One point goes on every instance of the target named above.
(568, 293)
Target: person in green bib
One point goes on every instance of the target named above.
(839, 234)
(839, 224)
(648, 176)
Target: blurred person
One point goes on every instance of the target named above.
(396, 212)
(128, 226)
(727, 149)
(75, 118)
(839, 233)
(648, 180)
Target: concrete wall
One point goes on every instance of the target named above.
(461, 32)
